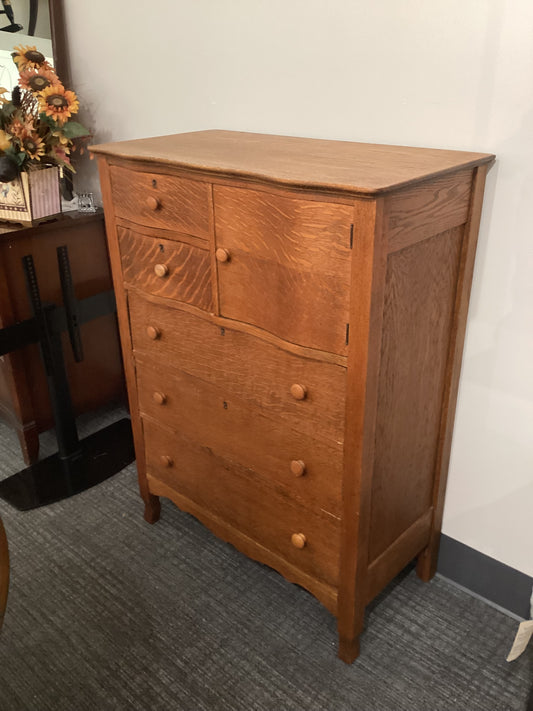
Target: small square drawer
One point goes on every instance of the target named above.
(167, 268)
(161, 201)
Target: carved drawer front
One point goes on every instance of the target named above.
(174, 270)
(283, 264)
(309, 469)
(161, 201)
(244, 366)
(307, 539)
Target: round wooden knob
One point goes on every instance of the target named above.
(298, 540)
(297, 467)
(299, 392)
(166, 461)
(160, 398)
(153, 332)
(222, 255)
(152, 202)
(161, 270)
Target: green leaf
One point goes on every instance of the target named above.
(73, 129)
(18, 157)
(48, 120)
(7, 112)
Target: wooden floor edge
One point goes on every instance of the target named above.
(326, 594)
(384, 568)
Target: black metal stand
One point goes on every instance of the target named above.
(78, 465)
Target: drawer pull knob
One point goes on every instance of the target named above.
(159, 398)
(153, 332)
(298, 467)
(298, 540)
(222, 255)
(161, 270)
(153, 203)
(299, 392)
(166, 461)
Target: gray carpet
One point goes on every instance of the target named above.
(108, 612)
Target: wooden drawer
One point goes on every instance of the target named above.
(244, 501)
(161, 201)
(168, 268)
(245, 366)
(239, 432)
(284, 265)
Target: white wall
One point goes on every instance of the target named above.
(449, 74)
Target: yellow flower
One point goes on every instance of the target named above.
(18, 128)
(3, 91)
(32, 145)
(37, 80)
(58, 102)
(5, 141)
(26, 56)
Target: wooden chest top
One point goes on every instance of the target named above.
(358, 168)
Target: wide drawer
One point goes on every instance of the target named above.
(309, 469)
(161, 201)
(243, 365)
(168, 268)
(283, 264)
(245, 501)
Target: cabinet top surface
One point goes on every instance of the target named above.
(362, 168)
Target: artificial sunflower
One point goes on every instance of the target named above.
(32, 145)
(26, 57)
(58, 103)
(37, 80)
(20, 128)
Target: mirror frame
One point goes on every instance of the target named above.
(59, 41)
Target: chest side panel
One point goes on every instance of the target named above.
(420, 294)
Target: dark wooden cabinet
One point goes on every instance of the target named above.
(292, 314)
(98, 379)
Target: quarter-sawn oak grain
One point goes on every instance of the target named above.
(304, 410)
(174, 270)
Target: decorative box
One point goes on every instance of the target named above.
(31, 197)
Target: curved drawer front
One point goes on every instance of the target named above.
(245, 501)
(161, 201)
(244, 366)
(284, 265)
(238, 432)
(168, 268)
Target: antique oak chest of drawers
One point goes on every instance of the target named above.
(292, 315)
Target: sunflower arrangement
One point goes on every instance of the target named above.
(36, 126)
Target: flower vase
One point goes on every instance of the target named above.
(32, 197)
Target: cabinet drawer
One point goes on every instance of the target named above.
(174, 270)
(245, 501)
(284, 265)
(161, 201)
(244, 366)
(236, 431)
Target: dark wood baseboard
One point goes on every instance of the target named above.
(499, 583)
